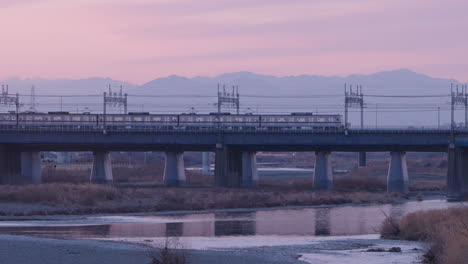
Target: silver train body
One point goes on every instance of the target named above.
(247, 122)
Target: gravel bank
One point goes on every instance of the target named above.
(21, 249)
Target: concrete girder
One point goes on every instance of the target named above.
(323, 173)
(31, 167)
(206, 163)
(397, 177)
(102, 168)
(362, 159)
(249, 169)
(235, 168)
(10, 165)
(174, 169)
(457, 173)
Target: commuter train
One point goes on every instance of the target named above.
(145, 120)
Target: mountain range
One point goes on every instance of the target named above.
(258, 93)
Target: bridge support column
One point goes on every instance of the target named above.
(397, 177)
(235, 168)
(31, 167)
(102, 167)
(205, 163)
(457, 173)
(10, 165)
(323, 173)
(249, 169)
(362, 160)
(174, 170)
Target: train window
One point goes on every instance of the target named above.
(137, 118)
(118, 118)
(156, 118)
(37, 118)
(56, 118)
(76, 118)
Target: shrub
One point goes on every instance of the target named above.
(446, 230)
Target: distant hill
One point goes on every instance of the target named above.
(274, 89)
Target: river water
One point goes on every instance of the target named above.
(315, 221)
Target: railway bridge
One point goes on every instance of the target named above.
(235, 164)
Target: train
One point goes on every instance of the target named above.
(145, 120)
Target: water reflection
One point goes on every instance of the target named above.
(242, 224)
(323, 221)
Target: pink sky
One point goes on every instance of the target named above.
(139, 40)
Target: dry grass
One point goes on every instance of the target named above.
(59, 193)
(446, 230)
(52, 173)
(428, 185)
(171, 252)
(89, 198)
(362, 179)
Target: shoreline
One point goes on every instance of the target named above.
(216, 210)
(29, 250)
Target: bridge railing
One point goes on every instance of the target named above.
(279, 130)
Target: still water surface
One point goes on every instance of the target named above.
(318, 221)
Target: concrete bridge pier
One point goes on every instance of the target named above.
(235, 169)
(457, 173)
(10, 165)
(102, 167)
(362, 160)
(323, 173)
(174, 169)
(249, 169)
(205, 163)
(397, 177)
(31, 167)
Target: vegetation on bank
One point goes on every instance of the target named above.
(65, 198)
(446, 230)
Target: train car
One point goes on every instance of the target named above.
(224, 121)
(63, 120)
(138, 121)
(297, 121)
(147, 121)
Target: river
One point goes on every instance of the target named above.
(227, 228)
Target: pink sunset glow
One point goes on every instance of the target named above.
(138, 40)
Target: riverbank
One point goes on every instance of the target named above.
(78, 199)
(445, 229)
(31, 250)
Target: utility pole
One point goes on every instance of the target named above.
(459, 97)
(355, 99)
(376, 112)
(229, 100)
(438, 117)
(114, 99)
(32, 103)
(9, 100)
(466, 105)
